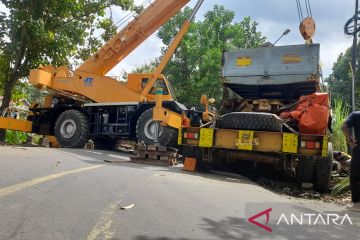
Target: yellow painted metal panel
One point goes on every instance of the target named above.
(225, 138)
(40, 77)
(168, 118)
(244, 61)
(290, 58)
(180, 137)
(290, 143)
(268, 141)
(173, 120)
(246, 140)
(325, 143)
(15, 124)
(206, 137)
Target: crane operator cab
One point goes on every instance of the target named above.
(137, 82)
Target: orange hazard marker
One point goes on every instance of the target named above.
(190, 164)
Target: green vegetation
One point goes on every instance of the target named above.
(342, 187)
(14, 137)
(340, 79)
(339, 142)
(339, 115)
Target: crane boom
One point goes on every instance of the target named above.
(175, 43)
(129, 38)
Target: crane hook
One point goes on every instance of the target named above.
(307, 29)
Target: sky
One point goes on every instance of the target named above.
(273, 17)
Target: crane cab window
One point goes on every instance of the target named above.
(160, 83)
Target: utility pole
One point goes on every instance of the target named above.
(352, 29)
(354, 57)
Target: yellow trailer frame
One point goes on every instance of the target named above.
(259, 141)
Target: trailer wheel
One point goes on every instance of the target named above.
(104, 143)
(305, 171)
(323, 171)
(252, 121)
(145, 131)
(71, 129)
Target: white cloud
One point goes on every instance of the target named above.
(3, 8)
(273, 17)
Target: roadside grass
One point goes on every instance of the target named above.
(14, 137)
(339, 115)
(339, 142)
(18, 138)
(341, 187)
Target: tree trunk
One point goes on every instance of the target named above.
(9, 86)
(2, 135)
(7, 98)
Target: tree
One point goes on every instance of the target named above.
(340, 79)
(196, 65)
(49, 32)
(146, 67)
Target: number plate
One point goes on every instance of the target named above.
(249, 142)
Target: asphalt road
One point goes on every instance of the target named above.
(74, 194)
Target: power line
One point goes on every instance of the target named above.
(129, 15)
(124, 19)
(309, 8)
(300, 12)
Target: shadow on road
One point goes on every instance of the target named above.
(161, 238)
(107, 155)
(232, 228)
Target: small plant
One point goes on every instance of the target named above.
(14, 137)
(342, 187)
(338, 139)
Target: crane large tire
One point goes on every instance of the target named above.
(323, 171)
(72, 129)
(252, 121)
(145, 131)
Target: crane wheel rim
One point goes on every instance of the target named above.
(68, 128)
(149, 129)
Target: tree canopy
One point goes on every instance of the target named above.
(196, 65)
(34, 33)
(340, 79)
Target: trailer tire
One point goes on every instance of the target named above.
(72, 129)
(323, 171)
(104, 143)
(145, 131)
(305, 171)
(252, 121)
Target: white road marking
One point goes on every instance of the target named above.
(99, 153)
(119, 157)
(21, 186)
(102, 227)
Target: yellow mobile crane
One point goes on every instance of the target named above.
(84, 103)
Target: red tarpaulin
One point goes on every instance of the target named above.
(312, 113)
